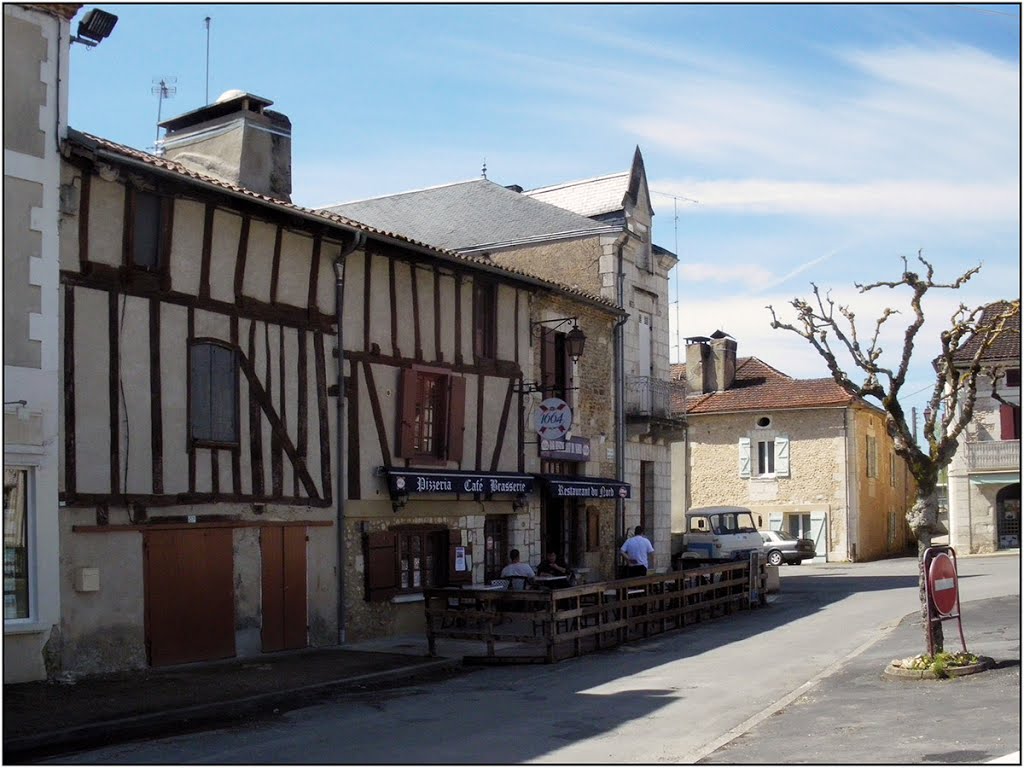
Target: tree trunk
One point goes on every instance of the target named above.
(923, 519)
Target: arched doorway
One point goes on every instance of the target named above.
(1008, 517)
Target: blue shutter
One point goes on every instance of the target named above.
(223, 394)
(744, 448)
(782, 456)
(199, 417)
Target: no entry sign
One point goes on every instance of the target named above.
(942, 584)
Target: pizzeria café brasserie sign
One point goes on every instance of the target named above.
(486, 484)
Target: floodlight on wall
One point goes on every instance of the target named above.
(94, 27)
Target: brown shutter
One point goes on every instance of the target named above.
(381, 565)
(457, 577)
(548, 361)
(406, 414)
(1009, 419)
(457, 416)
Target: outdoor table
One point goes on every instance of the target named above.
(552, 582)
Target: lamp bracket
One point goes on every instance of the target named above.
(536, 331)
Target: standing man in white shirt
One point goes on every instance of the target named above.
(639, 552)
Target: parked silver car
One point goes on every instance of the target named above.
(781, 547)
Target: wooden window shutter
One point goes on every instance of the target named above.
(548, 361)
(456, 417)
(405, 430)
(1009, 421)
(744, 449)
(782, 456)
(223, 394)
(457, 577)
(199, 394)
(381, 565)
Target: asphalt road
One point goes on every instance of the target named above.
(680, 698)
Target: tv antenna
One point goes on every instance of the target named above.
(163, 88)
(675, 228)
(206, 21)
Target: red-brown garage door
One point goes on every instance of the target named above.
(190, 603)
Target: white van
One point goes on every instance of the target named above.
(720, 533)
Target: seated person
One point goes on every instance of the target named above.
(517, 570)
(551, 567)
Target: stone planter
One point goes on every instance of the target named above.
(984, 663)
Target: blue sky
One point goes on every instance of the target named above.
(820, 142)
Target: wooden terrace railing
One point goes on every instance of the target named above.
(544, 626)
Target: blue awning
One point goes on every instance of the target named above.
(996, 478)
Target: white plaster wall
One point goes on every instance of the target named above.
(448, 330)
(187, 246)
(380, 307)
(293, 278)
(135, 439)
(259, 256)
(425, 296)
(355, 292)
(106, 220)
(227, 232)
(174, 395)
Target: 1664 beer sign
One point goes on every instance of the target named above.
(554, 419)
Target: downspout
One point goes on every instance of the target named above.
(358, 241)
(620, 394)
(849, 473)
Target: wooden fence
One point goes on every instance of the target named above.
(523, 626)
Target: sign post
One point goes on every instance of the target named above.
(943, 590)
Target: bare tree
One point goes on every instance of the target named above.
(964, 343)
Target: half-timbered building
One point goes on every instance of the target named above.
(207, 514)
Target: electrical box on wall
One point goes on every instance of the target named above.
(87, 580)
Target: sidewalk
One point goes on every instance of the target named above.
(41, 718)
(856, 715)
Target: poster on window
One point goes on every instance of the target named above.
(460, 559)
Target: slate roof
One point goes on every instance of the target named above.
(469, 215)
(758, 387)
(587, 197)
(1006, 347)
(98, 145)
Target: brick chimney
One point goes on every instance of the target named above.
(235, 139)
(723, 353)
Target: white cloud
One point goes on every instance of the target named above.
(751, 275)
(981, 201)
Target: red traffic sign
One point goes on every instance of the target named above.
(942, 584)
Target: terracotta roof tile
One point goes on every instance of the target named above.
(1006, 347)
(76, 137)
(758, 387)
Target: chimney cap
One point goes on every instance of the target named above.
(230, 101)
(721, 335)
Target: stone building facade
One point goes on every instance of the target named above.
(36, 53)
(984, 475)
(803, 455)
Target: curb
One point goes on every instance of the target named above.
(119, 730)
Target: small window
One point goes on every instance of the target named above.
(409, 559)
(764, 422)
(1013, 377)
(16, 543)
(147, 230)
(765, 457)
(1009, 422)
(213, 404)
(485, 320)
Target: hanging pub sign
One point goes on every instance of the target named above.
(570, 449)
(402, 482)
(554, 419)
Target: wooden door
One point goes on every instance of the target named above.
(283, 550)
(189, 595)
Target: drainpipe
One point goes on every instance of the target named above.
(358, 241)
(620, 394)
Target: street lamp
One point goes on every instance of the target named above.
(94, 27)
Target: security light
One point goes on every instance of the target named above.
(94, 27)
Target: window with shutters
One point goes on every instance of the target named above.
(1013, 378)
(764, 456)
(407, 559)
(150, 222)
(556, 367)
(871, 457)
(432, 416)
(485, 320)
(213, 394)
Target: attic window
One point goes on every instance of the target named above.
(763, 422)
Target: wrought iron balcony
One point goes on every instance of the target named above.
(648, 408)
(993, 456)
